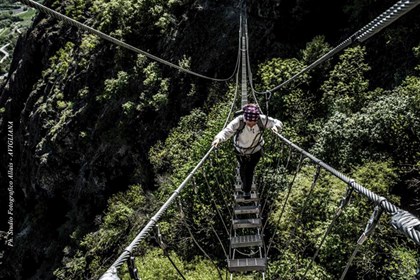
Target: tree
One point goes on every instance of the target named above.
(346, 87)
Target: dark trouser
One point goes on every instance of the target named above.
(247, 165)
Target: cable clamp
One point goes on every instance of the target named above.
(345, 200)
(355, 36)
(268, 95)
(132, 269)
(181, 211)
(373, 221)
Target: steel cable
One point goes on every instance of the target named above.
(113, 40)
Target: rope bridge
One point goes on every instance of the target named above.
(253, 237)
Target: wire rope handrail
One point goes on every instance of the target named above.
(111, 273)
(375, 26)
(112, 270)
(410, 228)
(402, 220)
(111, 39)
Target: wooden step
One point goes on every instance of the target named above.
(251, 264)
(246, 223)
(239, 197)
(246, 241)
(247, 209)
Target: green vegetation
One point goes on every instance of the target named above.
(360, 132)
(122, 215)
(105, 119)
(360, 138)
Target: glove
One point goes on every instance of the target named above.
(277, 127)
(216, 142)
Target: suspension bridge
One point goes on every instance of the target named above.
(250, 242)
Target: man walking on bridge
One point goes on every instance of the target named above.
(248, 141)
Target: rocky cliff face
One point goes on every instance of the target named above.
(84, 122)
(85, 112)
